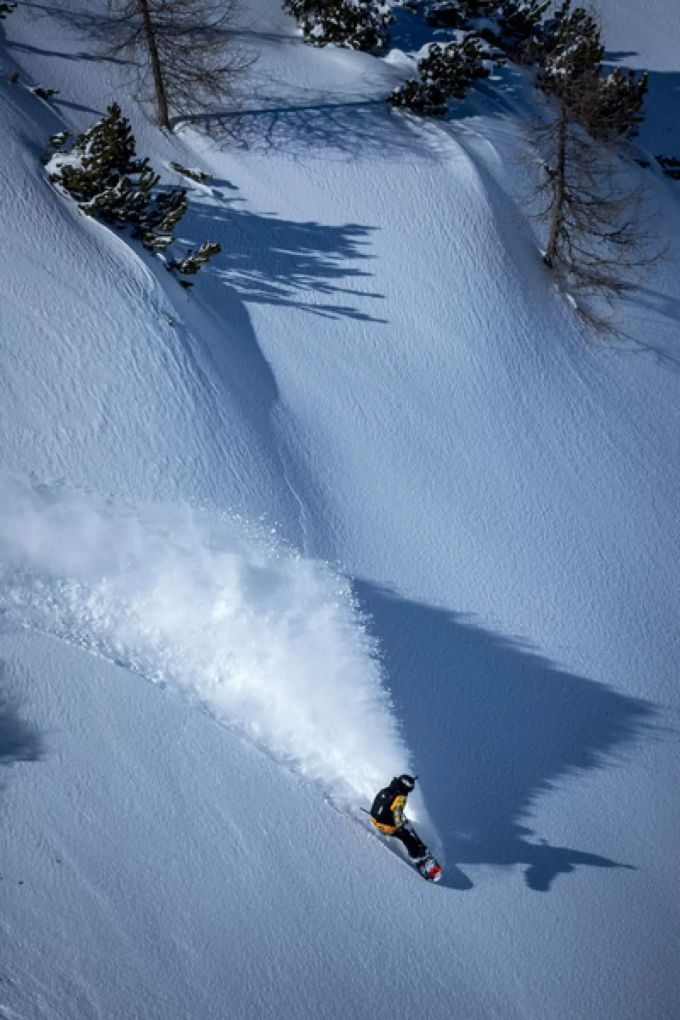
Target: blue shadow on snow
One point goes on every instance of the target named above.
(493, 726)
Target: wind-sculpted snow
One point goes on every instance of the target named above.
(264, 639)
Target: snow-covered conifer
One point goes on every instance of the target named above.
(199, 176)
(621, 98)
(477, 8)
(160, 219)
(609, 107)
(454, 67)
(102, 173)
(424, 98)
(509, 24)
(356, 24)
(519, 24)
(59, 139)
(193, 260)
(571, 55)
(447, 72)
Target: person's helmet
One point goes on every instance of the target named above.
(406, 782)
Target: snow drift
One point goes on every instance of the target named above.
(266, 640)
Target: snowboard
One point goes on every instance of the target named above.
(430, 869)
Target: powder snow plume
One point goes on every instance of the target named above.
(267, 641)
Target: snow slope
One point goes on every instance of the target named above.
(377, 374)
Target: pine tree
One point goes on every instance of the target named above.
(508, 24)
(571, 70)
(519, 23)
(161, 218)
(428, 100)
(356, 24)
(103, 174)
(193, 260)
(620, 102)
(477, 8)
(447, 72)
(453, 68)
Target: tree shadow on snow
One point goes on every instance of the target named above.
(309, 124)
(269, 260)
(493, 726)
(81, 56)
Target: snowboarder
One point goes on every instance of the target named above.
(387, 815)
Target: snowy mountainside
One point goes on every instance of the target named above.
(375, 374)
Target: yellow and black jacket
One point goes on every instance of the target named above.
(387, 811)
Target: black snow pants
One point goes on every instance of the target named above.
(414, 845)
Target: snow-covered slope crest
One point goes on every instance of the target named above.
(266, 640)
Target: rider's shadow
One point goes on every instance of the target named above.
(493, 726)
(546, 862)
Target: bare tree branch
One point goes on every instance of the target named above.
(183, 50)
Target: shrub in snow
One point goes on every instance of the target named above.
(193, 260)
(454, 67)
(519, 24)
(477, 8)
(200, 176)
(56, 141)
(446, 72)
(428, 100)
(6, 9)
(477, 14)
(357, 24)
(501, 10)
(160, 219)
(444, 14)
(505, 23)
(101, 172)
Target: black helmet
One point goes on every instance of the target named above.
(406, 782)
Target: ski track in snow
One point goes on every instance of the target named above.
(266, 640)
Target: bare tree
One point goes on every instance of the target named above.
(594, 235)
(182, 49)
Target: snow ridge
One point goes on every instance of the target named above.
(266, 640)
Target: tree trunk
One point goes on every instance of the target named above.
(559, 190)
(159, 86)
